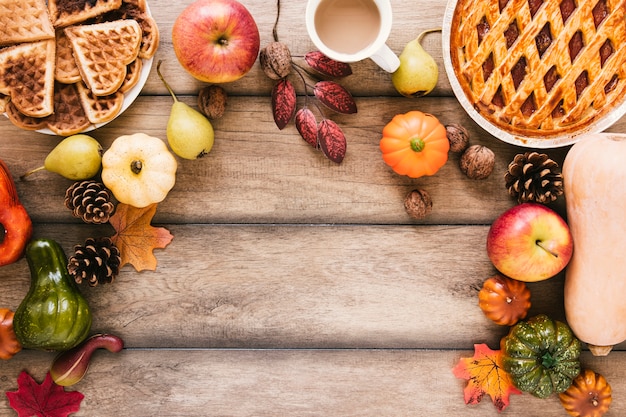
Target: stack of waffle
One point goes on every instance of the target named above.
(65, 65)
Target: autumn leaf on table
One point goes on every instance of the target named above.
(332, 141)
(485, 375)
(327, 66)
(45, 400)
(307, 126)
(335, 97)
(283, 102)
(136, 237)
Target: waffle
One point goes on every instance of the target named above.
(69, 12)
(133, 73)
(150, 38)
(27, 76)
(136, 10)
(138, 4)
(24, 21)
(66, 70)
(102, 52)
(4, 100)
(94, 49)
(21, 120)
(69, 115)
(100, 109)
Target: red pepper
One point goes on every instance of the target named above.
(16, 226)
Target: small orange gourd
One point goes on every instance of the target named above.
(415, 144)
(504, 300)
(9, 345)
(590, 395)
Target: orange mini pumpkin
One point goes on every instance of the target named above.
(9, 345)
(589, 395)
(415, 144)
(504, 300)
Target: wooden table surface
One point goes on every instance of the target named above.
(294, 286)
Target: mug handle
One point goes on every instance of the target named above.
(386, 59)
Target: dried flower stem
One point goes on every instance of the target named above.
(299, 70)
(275, 29)
(308, 72)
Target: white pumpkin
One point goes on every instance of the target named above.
(139, 169)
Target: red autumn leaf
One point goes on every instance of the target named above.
(327, 66)
(45, 400)
(136, 237)
(307, 126)
(332, 140)
(335, 97)
(485, 375)
(283, 102)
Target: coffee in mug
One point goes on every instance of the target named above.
(347, 26)
(352, 30)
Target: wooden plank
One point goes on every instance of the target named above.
(410, 18)
(244, 383)
(298, 287)
(259, 174)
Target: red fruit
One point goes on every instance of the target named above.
(16, 224)
(216, 41)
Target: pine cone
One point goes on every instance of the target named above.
(97, 261)
(90, 200)
(534, 177)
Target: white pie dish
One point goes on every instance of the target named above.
(539, 141)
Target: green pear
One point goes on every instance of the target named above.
(77, 157)
(417, 74)
(189, 133)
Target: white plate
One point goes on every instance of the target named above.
(599, 125)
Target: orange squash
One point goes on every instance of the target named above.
(595, 283)
(9, 345)
(415, 144)
(590, 395)
(504, 300)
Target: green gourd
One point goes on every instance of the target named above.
(541, 355)
(53, 315)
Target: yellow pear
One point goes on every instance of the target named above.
(189, 133)
(77, 157)
(417, 74)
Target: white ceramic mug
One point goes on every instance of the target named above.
(376, 50)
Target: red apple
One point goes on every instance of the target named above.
(216, 41)
(529, 242)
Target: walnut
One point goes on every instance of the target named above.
(477, 162)
(418, 204)
(275, 59)
(212, 101)
(458, 136)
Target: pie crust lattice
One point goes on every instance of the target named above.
(540, 68)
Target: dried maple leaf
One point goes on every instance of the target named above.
(45, 400)
(335, 97)
(283, 102)
(327, 66)
(485, 375)
(136, 237)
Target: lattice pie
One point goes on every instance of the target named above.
(540, 68)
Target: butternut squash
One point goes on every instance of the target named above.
(594, 174)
